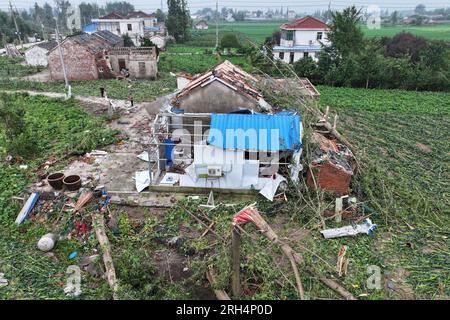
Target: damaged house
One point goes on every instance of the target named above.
(234, 86)
(137, 62)
(217, 132)
(101, 55)
(37, 55)
(84, 58)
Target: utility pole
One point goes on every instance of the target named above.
(13, 14)
(217, 25)
(162, 6)
(68, 87)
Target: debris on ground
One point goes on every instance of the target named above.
(342, 261)
(332, 165)
(47, 242)
(367, 227)
(27, 208)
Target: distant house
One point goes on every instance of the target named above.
(137, 62)
(37, 55)
(84, 58)
(149, 20)
(301, 38)
(201, 25)
(133, 25)
(229, 17)
(291, 14)
(159, 41)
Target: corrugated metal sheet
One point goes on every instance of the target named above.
(255, 132)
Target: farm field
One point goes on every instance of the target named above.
(402, 142)
(258, 31)
(435, 32)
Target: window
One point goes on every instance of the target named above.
(129, 26)
(319, 35)
(281, 55)
(291, 58)
(305, 54)
(288, 35)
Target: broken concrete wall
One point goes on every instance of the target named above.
(140, 62)
(215, 98)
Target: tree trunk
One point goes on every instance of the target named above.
(99, 226)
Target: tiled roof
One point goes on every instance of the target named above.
(109, 37)
(93, 43)
(262, 132)
(139, 14)
(228, 74)
(307, 22)
(48, 45)
(112, 15)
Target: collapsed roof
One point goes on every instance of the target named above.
(229, 75)
(92, 43)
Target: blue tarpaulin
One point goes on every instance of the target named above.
(91, 27)
(255, 132)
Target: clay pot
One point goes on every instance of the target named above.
(72, 183)
(56, 180)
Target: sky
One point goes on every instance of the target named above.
(253, 5)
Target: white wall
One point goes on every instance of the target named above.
(297, 56)
(36, 56)
(303, 37)
(160, 42)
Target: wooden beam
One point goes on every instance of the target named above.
(99, 226)
(211, 276)
(235, 263)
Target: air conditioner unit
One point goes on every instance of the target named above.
(214, 171)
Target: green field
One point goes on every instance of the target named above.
(435, 32)
(258, 31)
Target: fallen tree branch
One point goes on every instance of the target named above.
(99, 226)
(251, 214)
(211, 276)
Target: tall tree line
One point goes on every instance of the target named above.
(40, 20)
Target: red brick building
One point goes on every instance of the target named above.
(84, 58)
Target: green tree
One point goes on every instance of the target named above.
(306, 67)
(178, 20)
(394, 17)
(345, 34)
(160, 15)
(127, 41)
(229, 40)
(121, 7)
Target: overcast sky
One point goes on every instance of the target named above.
(253, 5)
